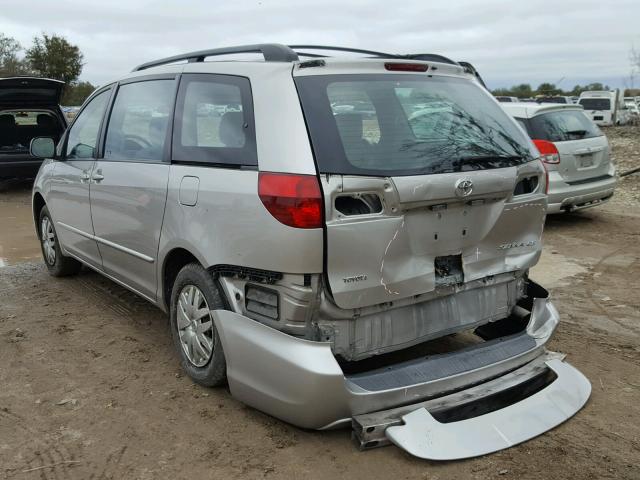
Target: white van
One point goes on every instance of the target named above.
(605, 108)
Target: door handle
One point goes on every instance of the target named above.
(97, 176)
(85, 177)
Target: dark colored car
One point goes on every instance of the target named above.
(29, 108)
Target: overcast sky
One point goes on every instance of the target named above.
(509, 41)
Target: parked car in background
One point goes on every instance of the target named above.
(505, 99)
(29, 108)
(318, 245)
(575, 153)
(70, 112)
(554, 99)
(634, 111)
(605, 108)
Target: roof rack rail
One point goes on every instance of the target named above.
(430, 57)
(339, 49)
(427, 57)
(272, 52)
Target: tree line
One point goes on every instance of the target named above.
(525, 90)
(50, 56)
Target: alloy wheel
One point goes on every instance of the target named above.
(48, 240)
(195, 326)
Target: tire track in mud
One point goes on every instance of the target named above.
(106, 471)
(51, 458)
(47, 459)
(108, 294)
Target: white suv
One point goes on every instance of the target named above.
(575, 153)
(317, 244)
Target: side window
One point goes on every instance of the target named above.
(139, 121)
(214, 121)
(83, 136)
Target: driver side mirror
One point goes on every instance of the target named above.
(42, 147)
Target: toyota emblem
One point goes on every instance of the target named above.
(464, 187)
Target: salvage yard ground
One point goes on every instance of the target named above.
(90, 387)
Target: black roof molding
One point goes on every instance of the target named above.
(272, 52)
(430, 57)
(275, 52)
(338, 49)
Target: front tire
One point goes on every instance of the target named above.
(58, 264)
(194, 294)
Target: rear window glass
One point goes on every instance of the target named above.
(407, 125)
(31, 118)
(563, 126)
(595, 103)
(552, 100)
(214, 121)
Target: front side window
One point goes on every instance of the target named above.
(214, 121)
(83, 136)
(407, 125)
(139, 121)
(563, 126)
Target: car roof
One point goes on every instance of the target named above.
(253, 69)
(528, 110)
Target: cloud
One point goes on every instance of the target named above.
(509, 42)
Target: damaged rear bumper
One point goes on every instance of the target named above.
(301, 382)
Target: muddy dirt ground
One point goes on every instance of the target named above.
(90, 387)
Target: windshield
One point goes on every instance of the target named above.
(407, 125)
(595, 103)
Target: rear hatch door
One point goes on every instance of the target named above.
(418, 179)
(20, 92)
(583, 148)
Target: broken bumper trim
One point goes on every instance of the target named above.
(424, 437)
(301, 382)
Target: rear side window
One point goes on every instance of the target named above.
(83, 136)
(407, 125)
(139, 121)
(563, 126)
(214, 121)
(598, 104)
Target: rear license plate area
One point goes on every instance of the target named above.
(448, 270)
(585, 161)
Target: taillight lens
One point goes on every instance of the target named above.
(548, 151)
(294, 200)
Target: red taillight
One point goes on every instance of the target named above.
(294, 200)
(548, 151)
(406, 67)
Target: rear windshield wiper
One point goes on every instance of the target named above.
(580, 133)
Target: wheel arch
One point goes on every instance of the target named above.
(173, 262)
(37, 204)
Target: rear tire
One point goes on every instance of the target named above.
(193, 330)
(59, 265)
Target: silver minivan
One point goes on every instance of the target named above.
(343, 241)
(575, 152)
